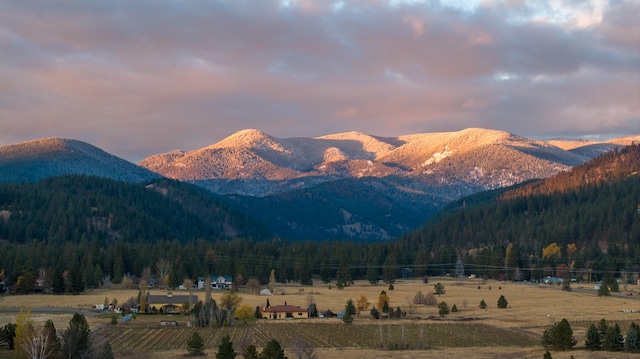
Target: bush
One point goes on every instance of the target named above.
(430, 299)
(483, 305)
(502, 302)
(454, 309)
(603, 290)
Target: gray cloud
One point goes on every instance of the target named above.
(142, 77)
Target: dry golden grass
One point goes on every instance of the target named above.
(531, 309)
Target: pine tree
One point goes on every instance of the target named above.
(225, 349)
(372, 274)
(76, 338)
(273, 350)
(349, 312)
(632, 340)
(250, 352)
(195, 345)
(502, 302)
(593, 340)
(57, 281)
(483, 305)
(443, 309)
(560, 336)
(613, 340)
(53, 342)
(439, 289)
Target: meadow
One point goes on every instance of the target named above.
(513, 332)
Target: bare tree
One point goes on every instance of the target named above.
(36, 346)
(146, 275)
(128, 281)
(253, 285)
(163, 268)
(302, 349)
(106, 282)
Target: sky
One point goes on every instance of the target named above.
(137, 78)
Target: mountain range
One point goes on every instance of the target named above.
(349, 185)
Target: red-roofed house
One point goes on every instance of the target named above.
(284, 312)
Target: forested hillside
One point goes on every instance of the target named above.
(586, 230)
(352, 209)
(72, 208)
(594, 206)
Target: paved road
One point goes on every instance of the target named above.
(53, 310)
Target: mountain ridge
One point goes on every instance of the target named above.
(37, 159)
(265, 163)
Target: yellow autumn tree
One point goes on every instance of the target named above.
(24, 328)
(244, 313)
(362, 304)
(551, 250)
(383, 301)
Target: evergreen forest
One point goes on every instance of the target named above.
(583, 224)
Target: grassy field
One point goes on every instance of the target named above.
(510, 333)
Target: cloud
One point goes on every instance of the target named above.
(142, 77)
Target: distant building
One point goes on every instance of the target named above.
(284, 312)
(171, 304)
(217, 282)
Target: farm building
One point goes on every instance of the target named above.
(170, 303)
(284, 312)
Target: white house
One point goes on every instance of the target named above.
(217, 282)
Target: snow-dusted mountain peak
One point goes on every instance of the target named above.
(481, 158)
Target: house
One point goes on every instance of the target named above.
(169, 303)
(284, 312)
(217, 282)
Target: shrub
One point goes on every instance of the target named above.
(502, 302)
(483, 305)
(430, 299)
(454, 309)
